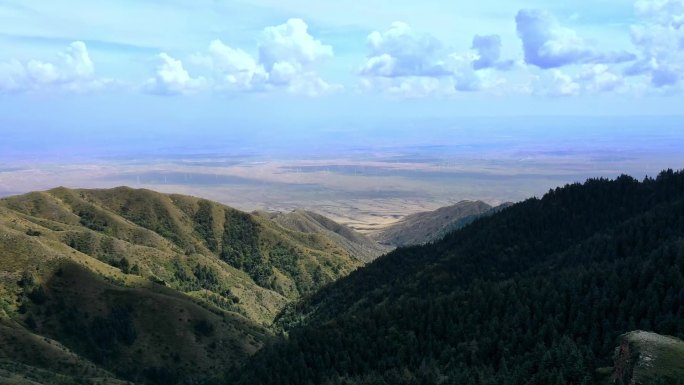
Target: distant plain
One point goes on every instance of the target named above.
(366, 182)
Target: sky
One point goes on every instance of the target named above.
(144, 69)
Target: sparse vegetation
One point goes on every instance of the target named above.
(33, 233)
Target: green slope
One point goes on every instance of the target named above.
(535, 294)
(154, 288)
(238, 261)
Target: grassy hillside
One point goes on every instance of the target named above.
(424, 227)
(308, 222)
(70, 314)
(535, 294)
(153, 288)
(235, 260)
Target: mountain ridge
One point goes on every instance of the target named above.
(99, 271)
(423, 227)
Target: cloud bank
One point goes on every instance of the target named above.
(414, 64)
(540, 55)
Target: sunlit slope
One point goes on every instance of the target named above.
(141, 286)
(423, 227)
(356, 244)
(70, 314)
(238, 261)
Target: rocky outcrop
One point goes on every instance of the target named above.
(645, 358)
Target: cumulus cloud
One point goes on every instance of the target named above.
(235, 68)
(287, 58)
(488, 50)
(400, 51)
(403, 61)
(291, 43)
(659, 36)
(171, 78)
(547, 44)
(73, 71)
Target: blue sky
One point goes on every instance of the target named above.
(128, 66)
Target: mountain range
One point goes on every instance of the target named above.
(131, 286)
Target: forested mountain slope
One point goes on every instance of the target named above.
(536, 294)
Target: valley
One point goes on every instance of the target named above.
(133, 286)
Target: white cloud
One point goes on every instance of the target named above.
(382, 65)
(234, 68)
(402, 61)
(73, 71)
(291, 43)
(547, 44)
(171, 78)
(462, 69)
(78, 61)
(287, 59)
(659, 36)
(400, 51)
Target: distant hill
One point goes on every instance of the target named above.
(535, 294)
(149, 287)
(356, 244)
(424, 227)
